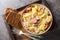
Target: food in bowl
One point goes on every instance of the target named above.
(36, 19)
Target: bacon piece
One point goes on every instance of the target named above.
(41, 10)
(33, 21)
(47, 25)
(27, 9)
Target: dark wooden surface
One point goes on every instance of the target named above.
(54, 5)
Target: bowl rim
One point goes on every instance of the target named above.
(50, 22)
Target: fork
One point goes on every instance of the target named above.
(26, 34)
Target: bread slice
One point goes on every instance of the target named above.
(12, 17)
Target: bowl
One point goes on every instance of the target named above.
(23, 12)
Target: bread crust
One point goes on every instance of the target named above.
(11, 16)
